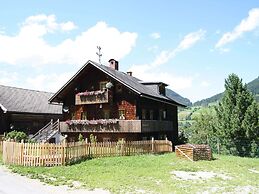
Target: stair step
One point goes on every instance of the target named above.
(47, 132)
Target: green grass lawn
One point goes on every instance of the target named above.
(150, 173)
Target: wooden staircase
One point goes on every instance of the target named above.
(47, 132)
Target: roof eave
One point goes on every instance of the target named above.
(169, 101)
(35, 113)
(3, 108)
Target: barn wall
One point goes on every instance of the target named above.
(3, 121)
(30, 123)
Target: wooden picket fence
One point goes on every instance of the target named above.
(46, 154)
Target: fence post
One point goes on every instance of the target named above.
(64, 157)
(166, 144)
(152, 144)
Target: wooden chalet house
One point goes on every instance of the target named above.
(110, 104)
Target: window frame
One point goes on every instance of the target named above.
(83, 115)
(122, 116)
(101, 84)
(106, 113)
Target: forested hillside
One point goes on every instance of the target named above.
(233, 123)
(252, 86)
(178, 98)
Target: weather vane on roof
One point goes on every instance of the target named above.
(99, 54)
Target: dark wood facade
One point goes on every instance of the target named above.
(3, 122)
(29, 123)
(138, 117)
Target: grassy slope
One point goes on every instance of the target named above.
(150, 173)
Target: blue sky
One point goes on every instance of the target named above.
(191, 45)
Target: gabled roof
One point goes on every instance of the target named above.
(130, 82)
(20, 100)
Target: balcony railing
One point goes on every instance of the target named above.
(130, 126)
(92, 97)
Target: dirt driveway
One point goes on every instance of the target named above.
(11, 183)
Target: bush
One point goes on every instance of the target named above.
(80, 138)
(17, 136)
(254, 150)
(93, 139)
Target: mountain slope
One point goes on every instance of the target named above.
(178, 98)
(253, 86)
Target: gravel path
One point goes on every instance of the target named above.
(11, 183)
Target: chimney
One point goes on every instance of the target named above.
(129, 73)
(114, 64)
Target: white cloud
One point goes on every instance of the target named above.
(246, 25)
(48, 22)
(48, 82)
(217, 32)
(150, 72)
(164, 56)
(7, 78)
(190, 39)
(155, 35)
(30, 46)
(2, 30)
(153, 48)
(205, 84)
(224, 50)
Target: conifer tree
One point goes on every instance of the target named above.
(237, 117)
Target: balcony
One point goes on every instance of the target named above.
(117, 126)
(92, 97)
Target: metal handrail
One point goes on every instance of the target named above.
(42, 129)
(47, 130)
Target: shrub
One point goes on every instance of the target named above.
(17, 136)
(93, 139)
(80, 138)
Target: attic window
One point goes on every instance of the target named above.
(118, 88)
(162, 89)
(103, 85)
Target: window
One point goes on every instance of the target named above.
(103, 85)
(162, 90)
(151, 115)
(118, 88)
(106, 114)
(84, 115)
(122, 114)
(164, 114)
(144, 113)
(73, 116)
(160, 114)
